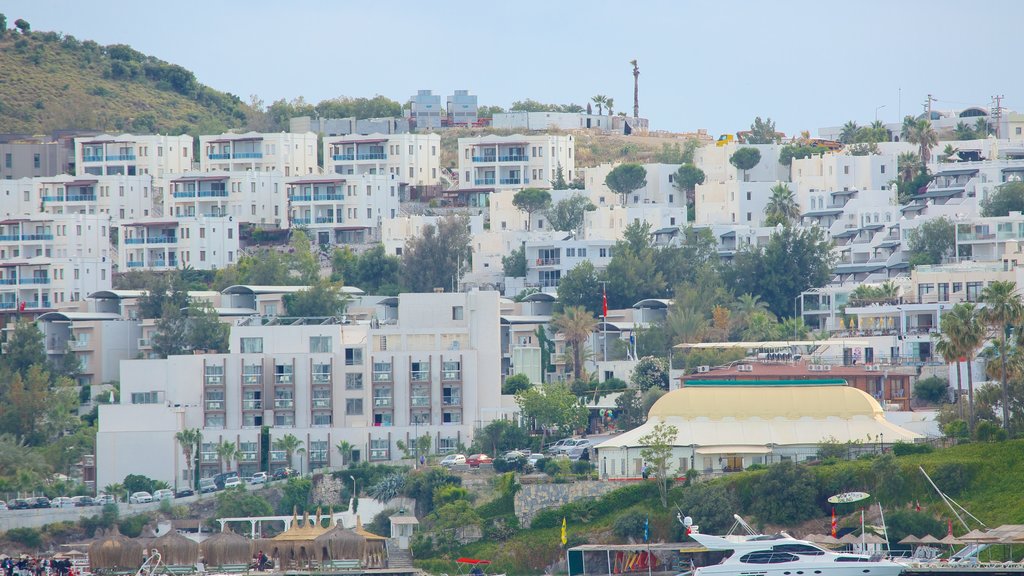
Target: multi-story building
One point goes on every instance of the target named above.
(547, 262)
(425, 110)
(132, 155)
(516, 161)
(660, 188)
(522, 120)
(31, 157)
(290, 153)
(462, 108)
(250, 197)
(120, 197)
(408, 159)
(202, 243)
(433, 368)
(347, 210)
(733, 196)
(345, 126)
(47, 260)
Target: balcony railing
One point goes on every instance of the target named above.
(321, 378)
(451, 375)
(372, 156)
(120, 157)
(252, 379)
(420, 401)
(215, 405)
(92, 158)
(81, 197)
(134, 240)
(451, 400)
(511, 181)
(252, 404)
(321, 403)
(135, 264)
(283, 379)
(483, 181)
(301, 221)
(213, 156)
(300, 198)
(419, 375)
(37, 236)
(280, 403)
(35, 280)
(485, 158)
(247, 456)
(208, 456)
(343, 157)
(248, 155)
(278, 455)
(53, 198)
(513, 158)
(161, 240)
(382, 376)
(328, 197)
(8, 281)
(213, 193)
(8, 237)
(382, 402)
(548, 261)
(324, 220)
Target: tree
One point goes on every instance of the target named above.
(657, 452)
(650, 372)
(963, 132)
(344, 449)
(575, 324)
(500, 436)
(686, 180)
(302, 261)
(204, 330)
(290, 445)
(762, 132)
(559, 182)
(948, 347)
(1007, 198)
(438, 257)
(189, 439)
(1002, 310)
(792, 261)
(322, 299)
(226, 452)
(514, 265)
(3, 25)
(513, 384)
(931, 242)
(23, 25)
(962, 328)
(552, 406)
(580, 287)
(745, 158)
(933, 390)
(907, 163)
(624, 179)
(785, 495)
(170, 338)
(531, 200)
(848, 135)
(610, 103)
(241, 504)
(792, 152)
(630, 410)
(922, 134)
(782, 207)
(24, 348)
(599, 101)
(374, 271)
(568, 214)
(633, 273)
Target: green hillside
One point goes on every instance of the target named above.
(49, 82)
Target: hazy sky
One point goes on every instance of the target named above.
(710, 64)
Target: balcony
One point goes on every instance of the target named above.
(321, 403)
(212, 156)
(188, 194)
(454, 375)
(322, 378)
(548, 261)
(92, 158)
(485, 158)
(284, 403)
(328, 197)
(161, 240)
(343, 157)
(9, 238)
(120, 157)
(372, 156)
(215, 406)
(300, 198)
(134, 240)
(511, 181)
(382, 402)
(248, 155)
(252, 404)
(419, 376)
(324, 220)
(247, 456)
(252, 380)
(513, 158)
(420, 401)
(451, 400)
(214, 380)
(483, 181)
(278, 455)
(32, 237)
(135, 264)
(52, 198)
(213, 193)
(81, 198)
(382, 376)
(36, 280)
(208, 457)
(283, 379)
(301, 221)
(8, 281)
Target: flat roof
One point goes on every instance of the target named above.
(77, 316)
(775, 343)
(119, 294)
(251, 289)
(367, 141)
(316, 181)
(199, 178)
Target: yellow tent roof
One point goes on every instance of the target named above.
(765, 400)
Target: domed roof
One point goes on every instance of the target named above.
(765, 399)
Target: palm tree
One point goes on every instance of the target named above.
(575, 324)
(599, 101)
(962, 131)
(190, 439)
(1002, 309)
(609, 102)
(345, 449)
(115, 490)
(782, 207)
(848, 134)
(925, 137)
(226, 451)
(688, 324)
(982, 128)
(949, 346)
(965, 329)
(907, 164)
(289, 444)
(949, 154)
(909, 123)
(746, 307)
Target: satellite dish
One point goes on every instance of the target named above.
(848, 497)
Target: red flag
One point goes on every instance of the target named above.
(917, 505)
(604, 302)
(833, 521)
(21, 306)
(950, 531)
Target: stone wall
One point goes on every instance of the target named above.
(533, 498)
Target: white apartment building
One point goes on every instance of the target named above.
(733, 196)
(409, 159)
(660, 188)
(516, 161)
(120, 197)
(343, 210)
(251, 197)
(47, 260)
(430, 366)
(547, 262)
(132, 155)
(520, 120)
(202, 243)
(290, 153)
(395, 232)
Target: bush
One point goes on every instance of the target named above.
(611, 502)
(905, 448)
(132, 526)
(630, 525)
(381, 523)
(582, 467)
(986, 431)
(27, 536)
(501, 528)
(932, 390)
(953, 477)
(785, 494)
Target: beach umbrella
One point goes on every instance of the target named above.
(176, 550)
(115, 551)
(910, 539)
(978, 536)
(951, 540)
(929, 539)
(339, 544)
(870, 538)
(226, 548)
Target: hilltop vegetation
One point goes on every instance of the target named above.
(50, 81)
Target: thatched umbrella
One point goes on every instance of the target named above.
(826, 539)
(176, 550)
(226, 548)
(929, 539)
(910, 539)
(115, 551)
(294, 547)
(978, 536)
(870, 538)
(339, 544)
(950, 540)
(376, 547)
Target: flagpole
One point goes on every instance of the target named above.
(604, 310)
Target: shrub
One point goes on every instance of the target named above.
(501, 528)
(986, 431)
(630, 525)
(27, 536)
(582, 467)
(785, 495)
(611, 502)
(905, 448)
(381, 523)
(932, 389)
(953, 477)
(132, 526)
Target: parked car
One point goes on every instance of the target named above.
(39, 502)
(184, 492)
(163, 494)
(534, 459)
(453, 460)
(556, 447)
(221, 479)
(232, 481)
(582, 449)
(258, 478)
(282, 473)
(475, 460)
(82, 501)
(62, 502)
(103, 499)
(140, 498)
(3, 505)
(207, 485)
(513, 455)
(18, 504)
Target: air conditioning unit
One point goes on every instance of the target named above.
(745, 368)
(873, 368)
(703, 369)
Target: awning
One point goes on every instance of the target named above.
(942, 192)
(199, 179)
(752, 449)
(370, 141)
(817, 213)
(243, 139)
(729, 234)
(957, 172)
(316, 181)
(74, 183)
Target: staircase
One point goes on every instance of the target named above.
(397, 558)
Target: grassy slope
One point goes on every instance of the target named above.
(994, 496)
(49, 83)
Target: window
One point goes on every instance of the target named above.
(456, 312)
(381, 372)
(748, 216)
(420, 372)
(354, 406)
(145, 397)
(35, 161)
(353, 381)
(322, 419)
(283, 374)
(251, 345)
(353, 356)
(451, 370)
(883, 168)
(320, 344)
(284, 419)
(322, 373)
(748, 194)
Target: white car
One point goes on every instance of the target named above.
(453, 460)
(62, 502)
(102, 499)
(534, 458)
(163, 494)
(232, 481)
(140, 498)
(258, 478)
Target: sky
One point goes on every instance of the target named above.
(712, 64)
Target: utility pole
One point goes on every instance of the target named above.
(604, 315)
(997, 114)
(928, 106)
(636, 89)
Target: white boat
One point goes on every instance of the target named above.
(783, 555)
